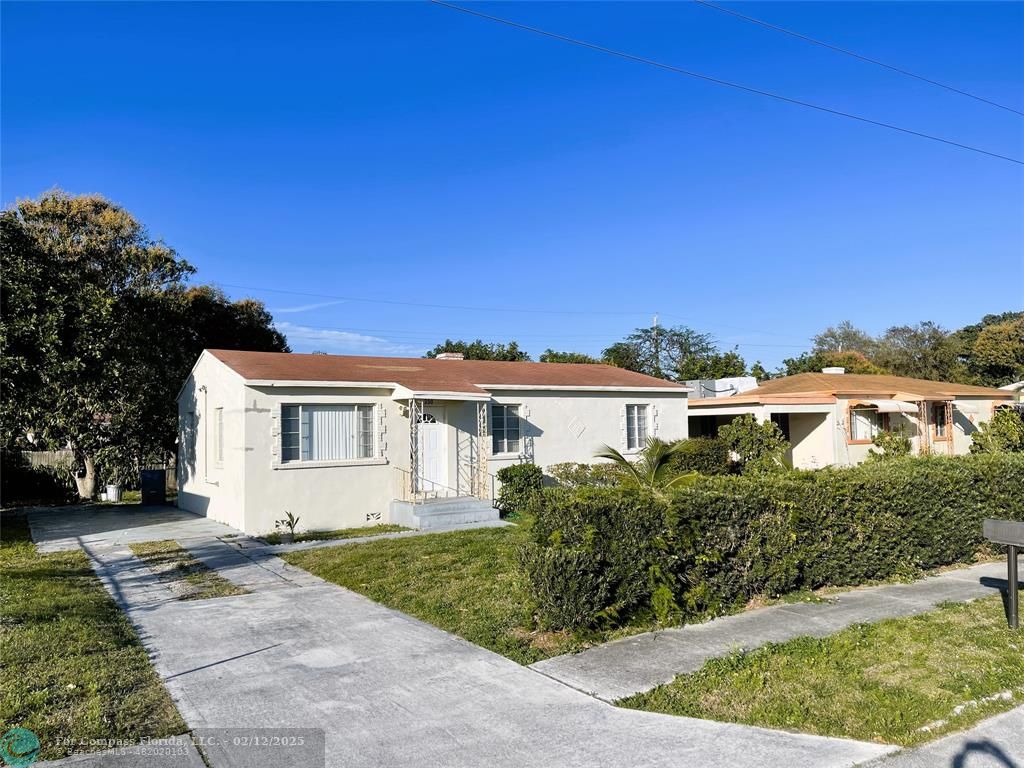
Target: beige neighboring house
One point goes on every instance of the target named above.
(831, 417)
(346, 441)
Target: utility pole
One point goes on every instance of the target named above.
(657, 348)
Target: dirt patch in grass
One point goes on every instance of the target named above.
(342, 533)
(187, 577)
(71, 665)
(900, 681)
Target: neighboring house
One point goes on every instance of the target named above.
(831, 417)
(1017, 388)
(351, 441)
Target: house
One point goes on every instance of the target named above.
(831, 417)
(346, 441)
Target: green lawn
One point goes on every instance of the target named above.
(883, 682)
(188, 578)
(466, 582)
(71, 665)
(341, 533)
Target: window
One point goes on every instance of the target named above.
(218, 436)
(939, 421)
(504, 428)
(326, 432)
(865, 423)
(636, 427)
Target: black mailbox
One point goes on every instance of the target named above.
(1011, 535)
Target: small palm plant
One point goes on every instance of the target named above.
(653, 468)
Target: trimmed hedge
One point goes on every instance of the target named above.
(595, 553)
(707, 455)
(599, 554)
(519, 484)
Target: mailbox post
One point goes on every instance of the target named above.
(1010, 534)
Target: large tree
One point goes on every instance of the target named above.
(845, 337)
(991, 352)
(678, 353)
(921, 351)
(480, 350)
(96, 332)
(813, 362)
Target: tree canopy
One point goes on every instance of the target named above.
(551, 356)
(481, 350)
(98, 330)
(678, 354)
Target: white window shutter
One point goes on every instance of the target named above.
(622, 428)
(654, 420)
(382, 424)
(275, 433)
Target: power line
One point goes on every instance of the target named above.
(504, 310)
(719, 81)
(412, 336)
(855, 55)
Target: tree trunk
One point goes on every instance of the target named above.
(85, 475)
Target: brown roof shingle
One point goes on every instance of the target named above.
(825, 387)
(427, 375)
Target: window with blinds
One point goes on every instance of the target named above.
(866, 424)
(636, 427)
(504, 428)
(326, 432)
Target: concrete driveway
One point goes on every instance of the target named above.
(385, 689)
(101, 525)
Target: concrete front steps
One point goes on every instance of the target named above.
(443, 513)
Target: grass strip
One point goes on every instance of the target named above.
(186, 576)
(341, 533)
(900, 681)
(71, 665)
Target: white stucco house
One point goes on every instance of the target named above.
(344, 441)
(831, 418)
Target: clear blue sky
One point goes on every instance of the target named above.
(405, 152)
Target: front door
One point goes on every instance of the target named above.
(432, 451)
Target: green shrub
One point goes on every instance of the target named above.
(891, 444)
(1004, 433)
(759, 446)
(707, 455)
(597, 554)
(575, 475)
(21, 483)
(724, 540)
(520, 483)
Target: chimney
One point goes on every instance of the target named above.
(450, 356)
(834, 369)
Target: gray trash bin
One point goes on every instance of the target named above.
(153, 483)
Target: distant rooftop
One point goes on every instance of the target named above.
(825, 387)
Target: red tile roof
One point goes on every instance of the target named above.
(427, 375)
(825, 387)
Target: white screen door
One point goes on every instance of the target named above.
(433, 450)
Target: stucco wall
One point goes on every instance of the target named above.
(327, 496)
(571, 426)
(811, 436)
(204, 486)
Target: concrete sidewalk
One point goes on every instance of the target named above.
(639, 663)
(388, 690)
(994, 743)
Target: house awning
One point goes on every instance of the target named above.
(891, 406)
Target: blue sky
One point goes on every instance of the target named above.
(407, 153)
